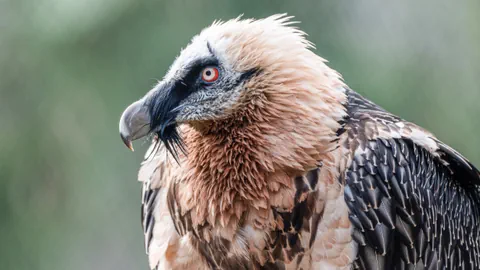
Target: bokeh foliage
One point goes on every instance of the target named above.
(68, 68)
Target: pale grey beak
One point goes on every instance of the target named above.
(134, 123)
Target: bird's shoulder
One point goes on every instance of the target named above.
(412, 198)
(367, 122)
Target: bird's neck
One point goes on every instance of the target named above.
(238, 161)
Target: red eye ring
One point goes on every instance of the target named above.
(210, 74)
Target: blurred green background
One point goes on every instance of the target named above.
(68, 192)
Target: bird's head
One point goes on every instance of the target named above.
(217, 74)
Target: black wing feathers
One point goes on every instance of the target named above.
(409, 211)
(409, 208)
(464, 171)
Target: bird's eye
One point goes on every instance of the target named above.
(210, 74)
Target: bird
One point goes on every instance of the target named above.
(262, 157)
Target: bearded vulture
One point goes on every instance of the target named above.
(263, 158)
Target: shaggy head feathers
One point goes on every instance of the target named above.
(255, 58)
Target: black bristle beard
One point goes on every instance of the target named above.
(173, 141)
(161, 109)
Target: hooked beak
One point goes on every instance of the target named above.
(134, 123)
(155, 113)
